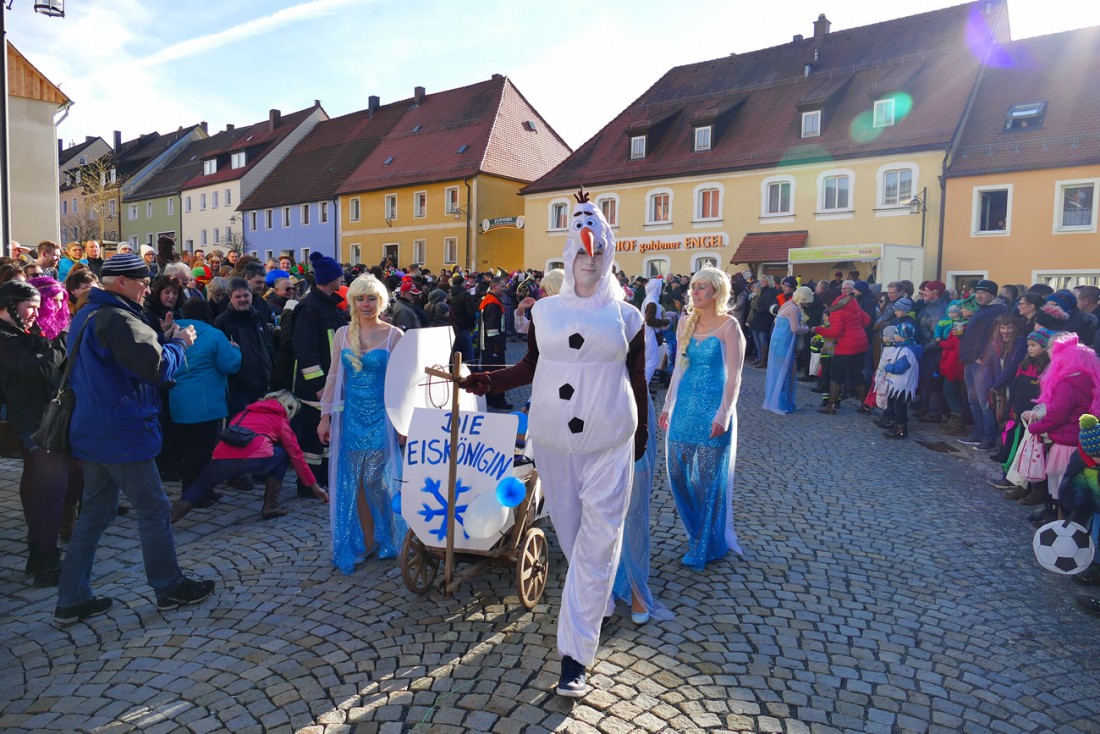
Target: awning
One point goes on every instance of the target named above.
(768, 247)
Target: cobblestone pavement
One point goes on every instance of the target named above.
(884, 588)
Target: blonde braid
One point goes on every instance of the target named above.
(353, 343)
(689, 329)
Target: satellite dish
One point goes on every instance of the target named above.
(407, 385)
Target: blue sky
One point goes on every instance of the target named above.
(144, 65)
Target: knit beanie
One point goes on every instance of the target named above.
(1060, 305)
(325, 269)
(903, 304)
(1041, 337)
(1090, 434)
(127, 265)
(862, 287)
(272, 276)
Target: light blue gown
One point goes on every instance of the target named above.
(779, 385)
(368, 462)
(699, 467)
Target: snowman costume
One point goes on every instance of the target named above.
(588, 423)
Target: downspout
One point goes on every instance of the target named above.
(469, 213)
(5, 183)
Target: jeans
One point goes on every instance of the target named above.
(140, 481)
(979, 381)
(759, 339)
(218, 470)
(464, 343)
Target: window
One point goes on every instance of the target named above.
(189, 245)
(656, 265)
(114, 176)
(1076, 205)
(112, 207)
(229, 236)
(450, 200)
(209, 166)
(267, 219)
(229, 197)
(391, 207)
(202, 202)
(324, 211)
(391, 252)
(64, 207)
(91, 214)
(131, 213)
(609, 205)
(702, 261)
(171, 206)
(559, 215)
(811, 124)
(884, 112)
(252, 221)
(450, 250)
(777, 197)
(1025, 116)
(702, 137)
(286, 216)
(305, 213)
(217, 236)
(419, 248)
(420, 204)
(353, 211)
(356, 254)
(74, 207)
(637, 147)
(202, 237)
(991, 207)
(897, 187)
(83, 160)
(187, 205)
(835, 192)
(133, 240)
(659, 208)
(148, 210)
(237, 160)
(709, 204)
(213, 199)
(305, 255)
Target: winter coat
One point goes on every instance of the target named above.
(979, 331)
(116, 377)
(199, 393)
(314, 323)
(247, 328)
(761, 317)
(1024, 391)
(951, 368)
(30, 370)
(1070, 401)
(847, 326)
(269, 420)
(927, 318)
(1004, 365)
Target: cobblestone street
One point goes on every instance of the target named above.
(884, 588)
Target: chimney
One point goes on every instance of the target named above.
(204, 126)
(821, 26)
(275, 117)
(60, 146)
(797, 37)
(89, 138)
(316, 103)
(418, 95)
(498, 76)
(372, 105)
(118, 139)
(230, 127)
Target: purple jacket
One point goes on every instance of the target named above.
(1071, 400)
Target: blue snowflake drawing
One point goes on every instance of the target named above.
(429, 513)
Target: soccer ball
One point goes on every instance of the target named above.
(1063, 547)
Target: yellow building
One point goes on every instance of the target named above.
(1023, 187)
(818, 155)
(441, 188)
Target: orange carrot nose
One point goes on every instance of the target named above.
(588, 239)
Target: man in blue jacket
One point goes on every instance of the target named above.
(978, 375)
(117, 371)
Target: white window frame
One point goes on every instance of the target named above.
(637, 147)
(202, 202)
(389, 210)
(696, 267)
(322, 210)
(209, 166)
(171, 206)
(551, 225)
(450, 250)
(131, 213)
(397, 252)
(420, 251)
(217, 236)
(356, 252)
(286, 216)
(354, 211)
(450, 200)
(649, 203)
(703, 138)
(1059, 189)
(765, 195)
(821, 191)
(648, 260)
(228, 201)
(112, 207)
(902, 206)
(304, 215)
(811, 124)
(202, 238)
(229, 236)
(64, 207)
(1068, 278)
(976, 212)
(304, 255)
(214, 199)
(187, 204)
(149, 209)
(885, 112)
(269, 216)
(697, 199)
(252, 217)
(133, 241)
(238, 159)
(189, 246)
(420, 204)
(614, 199)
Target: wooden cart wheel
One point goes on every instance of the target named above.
(532, 567)
(418, 566)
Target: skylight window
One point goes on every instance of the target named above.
(462, 148)
(416, 129)
(1025, 116)
(387, 161)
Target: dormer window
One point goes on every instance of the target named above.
(637, 147)
(702, 137)
(884, 112)
(811, 124)
(210, 165)
(1025, 116)
(238, 159)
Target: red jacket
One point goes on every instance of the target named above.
(268, 419)
(847, 325)
(951, 368)
(1072, 399)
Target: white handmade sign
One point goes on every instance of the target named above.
(485, 453)
(408, 387)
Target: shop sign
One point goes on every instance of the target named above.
(502, 223)
(673, 242)
(836, 253)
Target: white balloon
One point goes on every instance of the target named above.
(485, 517)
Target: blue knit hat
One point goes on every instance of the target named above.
(127, 265)
(862, 286)
(1090, 434)
(904, 304)
(274, 275)
(325, 269)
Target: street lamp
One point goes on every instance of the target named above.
(919, 205)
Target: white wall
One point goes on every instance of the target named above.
(34, 175)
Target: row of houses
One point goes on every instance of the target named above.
(926, 146)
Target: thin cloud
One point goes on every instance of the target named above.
(258, 26)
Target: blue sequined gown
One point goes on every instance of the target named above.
(698, 465)
(365, 464)
(779, 385)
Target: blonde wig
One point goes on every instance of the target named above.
(365, 285)
(551, 282)
(720, 281)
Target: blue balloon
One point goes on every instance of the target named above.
(511, 491)
(395, 503)
(522, 421)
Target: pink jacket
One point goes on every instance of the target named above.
(1070, 401)
(268, 419)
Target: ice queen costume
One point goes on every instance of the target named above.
(700, 468)
(365, 454)
(779, 386)
(588, 423)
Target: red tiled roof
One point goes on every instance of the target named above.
(757, 100)
(768, 247)
(1057, 69)
(184, 167)
(259, 139)
(487, 118)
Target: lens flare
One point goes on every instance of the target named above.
(863, 130)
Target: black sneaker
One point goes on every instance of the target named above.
(1089, 577)
(1088, 604)
(94, 607)
(573, 682)
(187, 592)
(985, 446)
(1001, 484)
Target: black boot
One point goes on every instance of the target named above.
(47, 569)
(830, 407)
(899, 430)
